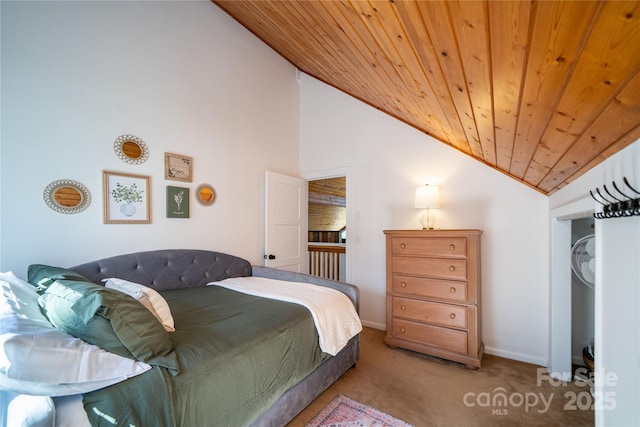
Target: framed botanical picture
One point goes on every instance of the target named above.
(127, 198)
(178, 167)
(177, 202)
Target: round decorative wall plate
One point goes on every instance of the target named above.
(205, 194)
(67, 196)
(131, 149)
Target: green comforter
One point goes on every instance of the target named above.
(238, 353)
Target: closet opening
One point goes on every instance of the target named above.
(582, 296)
(572, 301)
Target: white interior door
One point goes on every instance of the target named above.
(286, 222)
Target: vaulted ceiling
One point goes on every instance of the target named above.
(540, 90)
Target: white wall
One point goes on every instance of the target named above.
(617, 290)
(387, 160)
(182, 76)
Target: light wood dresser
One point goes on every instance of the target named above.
(433, 293)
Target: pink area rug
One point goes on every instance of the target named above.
(345, 412)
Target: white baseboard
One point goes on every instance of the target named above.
(577, 360)
(517, 356)
(488, 350)
(374, 325)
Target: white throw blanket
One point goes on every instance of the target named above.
(333, 312)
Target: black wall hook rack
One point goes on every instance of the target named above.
(620, 205)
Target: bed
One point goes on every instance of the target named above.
(239, 351)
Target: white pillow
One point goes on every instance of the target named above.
(70, 412)
(38, 359)
(30, 411)
(148, 297)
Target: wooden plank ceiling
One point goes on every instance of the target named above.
(327, 204)
(540, 90)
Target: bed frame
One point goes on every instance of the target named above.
(186, 268)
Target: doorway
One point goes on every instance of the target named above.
(327, 227)
(563, 351)
(582, 291)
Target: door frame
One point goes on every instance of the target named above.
(559, 356)
(335, 173)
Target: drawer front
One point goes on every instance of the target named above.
(448, 315)
(431, 267)
(448, 339)
(430, 246)
(431, 288)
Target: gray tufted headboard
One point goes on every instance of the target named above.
(167, 268)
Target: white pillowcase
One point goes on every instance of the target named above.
(70, 412)
(148, 297)
(29, 411)
(38, 359)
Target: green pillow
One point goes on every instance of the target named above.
(41, 276)
(109, 319)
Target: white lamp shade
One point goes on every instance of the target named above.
(427, 196)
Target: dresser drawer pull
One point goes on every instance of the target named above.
(403, 284)
(452, 247)
(402, 330)
(452, 268)
(452, 315)
(403, 307)
(452, 290)
(402, 246)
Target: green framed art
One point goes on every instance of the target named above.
(177, 202)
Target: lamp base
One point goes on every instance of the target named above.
(427, 223)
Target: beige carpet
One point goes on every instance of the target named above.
(426, 391)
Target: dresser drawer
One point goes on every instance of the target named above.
(430, 288)
(453, 316)
(448, 339)
(430, 246)
(430, 267)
